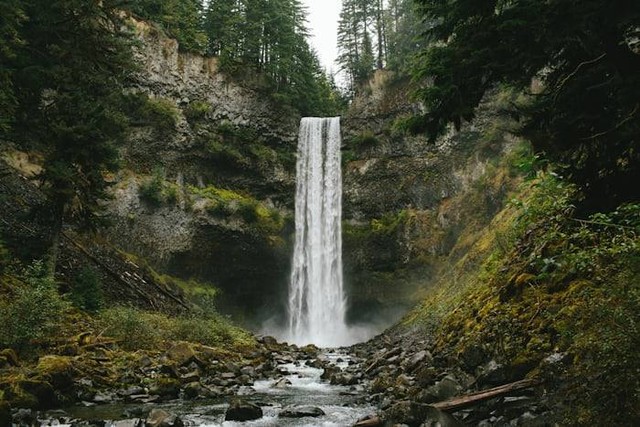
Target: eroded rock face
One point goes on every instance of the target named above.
(411, 206)
(223, 136)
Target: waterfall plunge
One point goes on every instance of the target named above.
(317, 303)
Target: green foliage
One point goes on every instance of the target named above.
(584, 116)
(180, 18)
(559, 284)
(32, 314)
(11, 40)
(86, 290)
(225, 204)
(225, 152)
(197, 110)
(157, 191)
(267, 41)
(364, 140)
(136, 329)
(70, 101)
(160, 113)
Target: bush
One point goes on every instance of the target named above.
(156, 190)
(197, 110)
(160, 113)
(86, 290)
(134, 329)
(34, 311)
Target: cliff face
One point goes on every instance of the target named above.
(208, 179)
(411, 207)
(209, 194)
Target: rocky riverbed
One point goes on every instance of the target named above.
(391, 380)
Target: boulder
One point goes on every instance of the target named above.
(240, 410)
(162, 418)
(134, 422)
(282, 383)
(181, 353)
(369, 421)
(301, 412)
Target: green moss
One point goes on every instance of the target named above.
(557, 284)
(225, 203)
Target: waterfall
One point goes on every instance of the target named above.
(317, 303)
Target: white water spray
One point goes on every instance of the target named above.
(317, 304)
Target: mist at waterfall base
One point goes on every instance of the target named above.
(317, 304)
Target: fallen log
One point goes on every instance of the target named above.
(471, 399)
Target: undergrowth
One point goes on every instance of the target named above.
(551, 283)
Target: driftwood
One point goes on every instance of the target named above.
(467, 400)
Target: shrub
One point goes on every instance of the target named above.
(134, 329)
(160, 113)
(152, 189)
(86, 290)
(197, 110)
(156, 190)
(364, 140)
(33, 312)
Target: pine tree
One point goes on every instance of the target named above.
(71, 72)
(587, 115)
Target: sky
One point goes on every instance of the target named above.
(323, 25)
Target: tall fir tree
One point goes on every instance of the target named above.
(586, 115)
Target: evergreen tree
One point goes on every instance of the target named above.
(11, 20)
(70, 76)
(586, 115)
(182, 19)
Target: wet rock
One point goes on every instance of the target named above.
(268, 340)
(44, 394)
(193, 390)
(344, 379)
(23, 417)
(329, 372)
(162, 418)
(134, 422)
(249, 371)
(240, 410)
(131, 391)
(442, 390)
(282, 383)
(301, 412)
(493, 374)
(228, 376)
(369, 421)
(472, 357)
(166, 388)
(103, 397)
(190, 377)
(417, 360)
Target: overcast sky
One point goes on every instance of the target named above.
(323, 24)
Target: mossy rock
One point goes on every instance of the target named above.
(181, 353)
(9, 357)
(35, 394)
(168, 388)
(57, 370)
